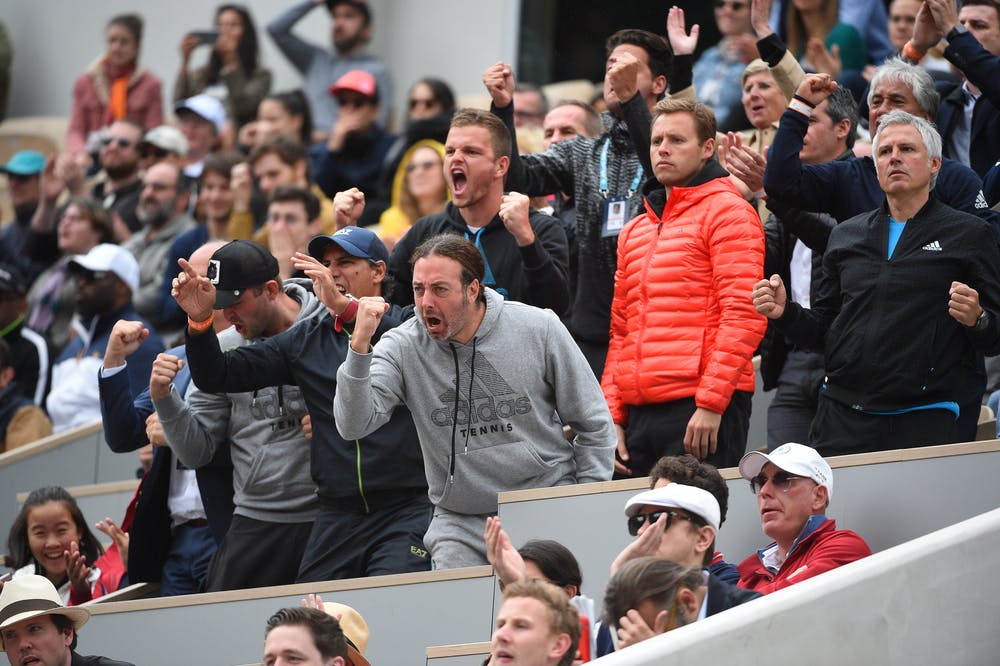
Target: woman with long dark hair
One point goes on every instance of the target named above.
(233, 72)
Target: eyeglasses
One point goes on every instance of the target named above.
(735, 6)
(635, 522)
(780, 481)
(413, 166)
(154, 151)
(119, 141)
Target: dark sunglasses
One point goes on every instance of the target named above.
(635, 522)
(119, 141)
(781, 481)
(354, 101)
(735, 6)
(83, 275)
(148, 151)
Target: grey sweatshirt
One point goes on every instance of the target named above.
(271, 474)
(526, 378)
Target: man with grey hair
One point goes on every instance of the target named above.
(850, 187)
(911, 292)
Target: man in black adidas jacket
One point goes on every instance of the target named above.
(910, 292)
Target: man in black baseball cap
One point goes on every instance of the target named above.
(238, 266)
(373, 505)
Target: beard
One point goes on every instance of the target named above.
(156, 217)
(121, 171)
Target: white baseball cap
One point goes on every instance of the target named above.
(793, 458)
(695, 501)
(114, 258)
(205, 106)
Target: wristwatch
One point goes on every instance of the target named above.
(959, 29)
(982, 321)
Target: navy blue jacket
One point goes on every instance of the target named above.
(124, 431)
(850, 187)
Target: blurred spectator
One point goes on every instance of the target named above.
(351, 30)
(419, 189)
(233, 72)
(161, 211)
(115, 87)
(530, 105)
(29, 352)
(163, 143)
(202, 119)
(717, 72)
(216, 197)
(21, 421)
(357, 145)
(82, 224)
(431, 106)
(820, 41)
(292, 221)
(969, 117)
(6, 58)
(794, 487)
(23, 171)
(121, 186)
(902, 20)
(284, 114)
(106, 277)
(51, 538)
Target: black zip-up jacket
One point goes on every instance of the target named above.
(889, 340)
(537, 274)
(357, 475)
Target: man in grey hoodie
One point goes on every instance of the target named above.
(275, 496)
(496, 379)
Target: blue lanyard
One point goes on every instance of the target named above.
(603, 185)
(488, 279)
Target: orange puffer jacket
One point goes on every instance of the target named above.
(682, 320)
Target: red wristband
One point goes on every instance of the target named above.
(346, 316)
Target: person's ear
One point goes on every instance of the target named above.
(687, 603)
(706, 537)
(503, 164)
(659, 85)
(559, 646)
(821, 498)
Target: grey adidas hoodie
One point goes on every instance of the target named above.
(271, 474)
(527, 377)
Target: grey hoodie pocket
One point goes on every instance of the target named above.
(280, 472)
(481, 473)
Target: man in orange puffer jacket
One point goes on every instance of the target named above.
(679, 375)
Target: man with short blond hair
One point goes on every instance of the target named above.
(536, 626)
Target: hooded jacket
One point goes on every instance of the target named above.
(270, 454)
(682, 322)
(537, 274)
(511, 438)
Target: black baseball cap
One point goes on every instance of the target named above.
(238, 266)
(11, 279)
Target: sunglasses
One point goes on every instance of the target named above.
(354, 101)
(91, 276)
(781, 481)
(413, 166)
(154, 151)
(119, 141)
(636, 522)
(735, 6)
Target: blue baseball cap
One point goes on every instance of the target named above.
(355, 241)
(24, 163)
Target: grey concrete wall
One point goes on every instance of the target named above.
(55, 39)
